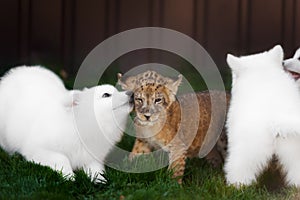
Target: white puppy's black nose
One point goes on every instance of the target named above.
(130, 94)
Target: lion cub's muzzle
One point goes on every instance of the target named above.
(147, 117)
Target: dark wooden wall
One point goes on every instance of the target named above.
(62, 32)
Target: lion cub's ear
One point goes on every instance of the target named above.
(174, 84)
(129, 84)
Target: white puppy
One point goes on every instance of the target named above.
(65, 130)
(263, 118)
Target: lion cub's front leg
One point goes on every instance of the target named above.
(177, 161)
(140, 147)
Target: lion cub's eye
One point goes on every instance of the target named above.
(139, 100)
(158, 100)
(105, 95)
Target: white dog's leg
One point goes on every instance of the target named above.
(54, 160)
(288, 151)
(94, 170)
(246, 160)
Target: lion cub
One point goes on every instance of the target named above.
(164, 121)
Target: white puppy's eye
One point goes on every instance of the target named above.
(105, 95)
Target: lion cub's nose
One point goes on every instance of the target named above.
(147, 116)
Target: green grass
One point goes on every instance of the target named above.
(20, 179)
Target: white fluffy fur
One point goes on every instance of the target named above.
(263, 118)
(41, 120)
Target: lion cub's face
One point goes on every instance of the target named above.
(153, 94)
(151, 102)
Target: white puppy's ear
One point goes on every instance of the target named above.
(72, 98)
(233, 62)
(277, 53)
(297, 54)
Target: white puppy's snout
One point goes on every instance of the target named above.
(130, 95)
(122, 99)
(125, 95)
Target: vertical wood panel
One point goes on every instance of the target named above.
(243, 18)
(112, 17)
(45, 38)
(288, 27)
(24, 32)
(134, 13)
(179, 15)
(200, 21)
(265, 24)
(89, 27)
(68, 33)
(222, 29)
(297, 24)
(156, 15)
(8, 32)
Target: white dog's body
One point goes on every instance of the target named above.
(263, 118)
(41, 120)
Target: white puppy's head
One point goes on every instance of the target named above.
(261, 62)
(102, 111)
(107, 99)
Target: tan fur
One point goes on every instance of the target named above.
(162, 121)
